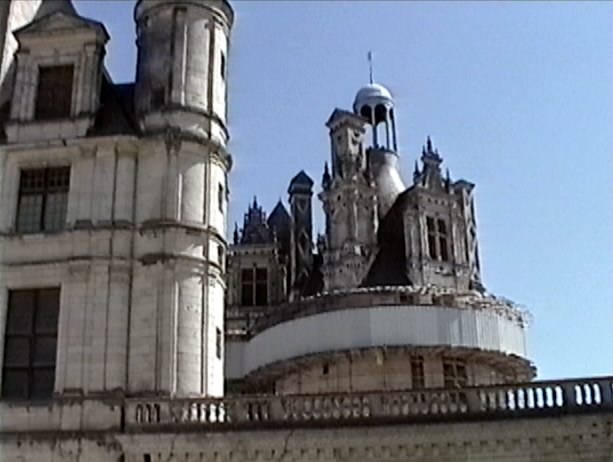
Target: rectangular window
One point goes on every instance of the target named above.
(158, 98)
(247, 287)
(454, 373)
(222, 66)
(417, 372)
(261, 287)
(54, 92)
(431, 237)
(220, 255)
(43, 199)
(218, 340)
(220, 198)
(30, 343)
(254, 287)
(438, 242)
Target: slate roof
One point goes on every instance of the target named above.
(116, 112)
(389, 266)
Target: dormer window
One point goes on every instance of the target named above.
(54, 92)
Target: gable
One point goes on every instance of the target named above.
(60, 23)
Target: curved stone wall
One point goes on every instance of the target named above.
(377, 326)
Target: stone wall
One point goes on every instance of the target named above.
(564, 439)
(13, 15)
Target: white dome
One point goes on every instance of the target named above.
(372, 94)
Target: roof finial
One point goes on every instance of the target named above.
(370, 66)
(429, 144)
(235, 237)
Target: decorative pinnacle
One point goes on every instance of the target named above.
(370, 66)
(429, 144)
(235, 237)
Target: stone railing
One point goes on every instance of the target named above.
(472, 403)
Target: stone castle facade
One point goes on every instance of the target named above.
(131, 329)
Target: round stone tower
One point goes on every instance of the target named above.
(176, 324)
(182, 69)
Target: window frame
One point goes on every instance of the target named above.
(458, 378)
(32, 334)
(418, 376)
(221, 190)
(46, 193)
(438, 238)
(218, 343)
(257, 279)
(54, 102)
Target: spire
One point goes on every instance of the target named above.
(428, 144)
(235, 237)
(370, 67)
(48, 7)
(326, 179)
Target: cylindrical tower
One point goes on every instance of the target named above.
(178, 286)
(182, 69)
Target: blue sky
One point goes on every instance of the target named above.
(518, 98)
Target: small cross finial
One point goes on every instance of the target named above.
(370, 65)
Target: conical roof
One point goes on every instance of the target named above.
(48, 7)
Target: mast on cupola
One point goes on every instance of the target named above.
(374, 103)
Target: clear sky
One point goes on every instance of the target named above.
(518, 98)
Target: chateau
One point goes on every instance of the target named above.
(133, 330)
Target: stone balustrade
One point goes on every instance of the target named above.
(255, 321)
(471, 403)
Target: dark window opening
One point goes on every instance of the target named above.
(218, 341)
(220, 259)
(43, 199)
(247, 287)
(222, 67)
(158, 98)
(325, 369)
(380, 114)
(438, 242)
(254, 287)
(366, 112)
(454, 373)
(220, 198)
(417, 372)
(30, 344)
(54, 92)
(261, 287)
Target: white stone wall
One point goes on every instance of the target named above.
(13, 15)
(381, 326)
(575, 438)
(141, 302)
(381, 370)
(561, 439)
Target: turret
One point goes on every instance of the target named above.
(375, 104)
(301, 247)
(183, 165)
(181, 78)
(349, 201)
